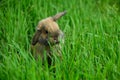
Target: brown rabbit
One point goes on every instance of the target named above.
(47, 38)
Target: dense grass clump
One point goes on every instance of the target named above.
(92, 39)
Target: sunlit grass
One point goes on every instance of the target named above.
(92, 40)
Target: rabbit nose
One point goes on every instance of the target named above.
(56, 40)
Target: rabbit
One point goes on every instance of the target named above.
(47, 38)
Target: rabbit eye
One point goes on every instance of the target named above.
(46, 32)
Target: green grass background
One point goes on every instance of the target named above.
(92, 39)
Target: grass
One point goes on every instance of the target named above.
(92, 39)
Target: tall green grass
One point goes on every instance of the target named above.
(92, 39)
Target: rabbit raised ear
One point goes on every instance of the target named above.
(57, 16)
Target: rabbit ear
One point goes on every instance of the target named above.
(36, 37)
(57, 16)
